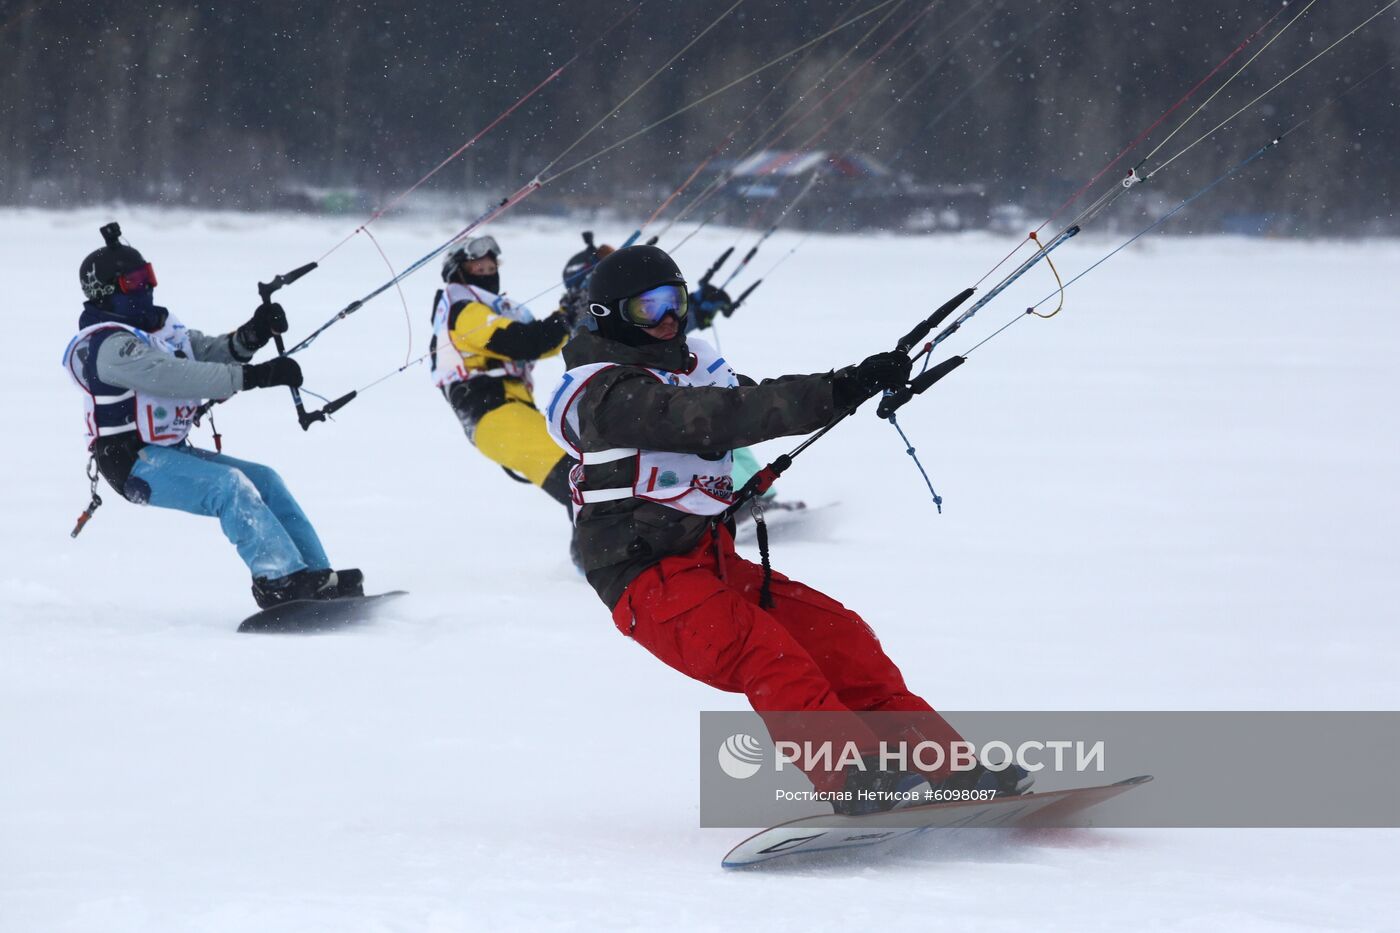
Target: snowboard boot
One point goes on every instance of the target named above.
(576, 556)
(876, 790)
(303, 584)
(349, 582)
(1011, 781)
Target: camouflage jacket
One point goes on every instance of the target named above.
(627, 407)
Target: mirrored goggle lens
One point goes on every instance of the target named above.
(481, 247)
(137, 280)
(650, 307)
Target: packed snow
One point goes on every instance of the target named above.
(1179, 493)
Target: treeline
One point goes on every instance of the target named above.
(236, 104)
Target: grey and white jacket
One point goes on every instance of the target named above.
(142, 387)
(216, 371)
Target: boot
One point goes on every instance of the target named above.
(895, 790)
(556, 484)
(877, 790)
(1011, 781)
(349, 582)
(303, 584)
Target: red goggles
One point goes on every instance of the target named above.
(137, 280)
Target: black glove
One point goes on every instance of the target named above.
(279, 371)
(267, 320)
(573, 305)
(561, 320)
(874, 374)
(709, 302)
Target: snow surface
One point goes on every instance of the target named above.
(1178, 494)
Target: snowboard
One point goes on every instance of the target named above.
(795, 838)
(309, 616)
(784, 518)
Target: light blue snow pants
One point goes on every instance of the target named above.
(257, 513)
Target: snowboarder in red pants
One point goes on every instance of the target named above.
(652, 419)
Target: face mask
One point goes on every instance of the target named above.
(490, 283)
(138, 309)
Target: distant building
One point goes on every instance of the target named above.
(826, 190)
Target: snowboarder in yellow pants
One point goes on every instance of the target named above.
(483, 350)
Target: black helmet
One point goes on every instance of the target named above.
(580, 264)
(578, 267)
(102, 272)
(631, 271)
(626, 274)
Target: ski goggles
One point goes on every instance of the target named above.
(481, 247)
(651, 307)
(139, 279)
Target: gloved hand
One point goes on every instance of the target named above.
(709, 302)
(874, 374)
(573, 305)
(278, 371)
(560, 324)
(267, 320)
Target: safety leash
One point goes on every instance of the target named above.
(765, 592)
(94, 503)
(218, 438)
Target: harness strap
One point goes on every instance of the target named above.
(120, 429)
(611, 455)
(606, 495)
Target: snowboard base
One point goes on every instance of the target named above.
(309, 616)
(785, 519)
(771, 507)
(814, 834)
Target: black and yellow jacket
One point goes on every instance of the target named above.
(488, 345)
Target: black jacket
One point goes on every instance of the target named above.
(627, 407)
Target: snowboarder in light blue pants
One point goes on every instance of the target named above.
(257, 513)
(143, 375)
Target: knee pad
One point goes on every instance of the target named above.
(136, 490)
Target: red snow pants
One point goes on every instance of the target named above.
(698, 612)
